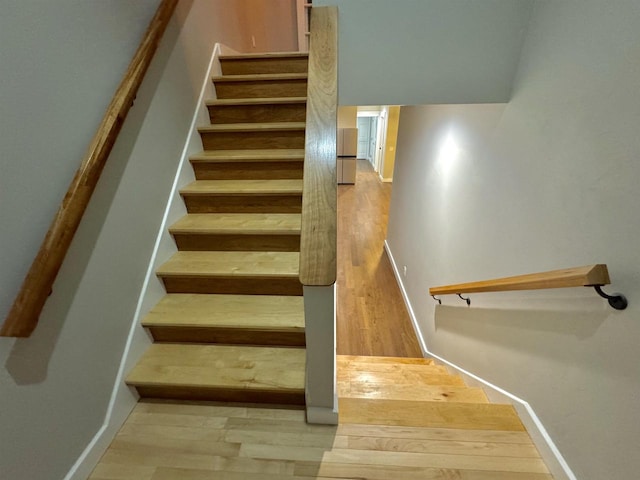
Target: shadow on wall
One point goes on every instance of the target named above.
(28, 361)
(524, 330)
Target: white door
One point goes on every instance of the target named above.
(381, 138)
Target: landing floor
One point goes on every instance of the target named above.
(371, 315)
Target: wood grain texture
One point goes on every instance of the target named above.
(372, 318)
(254, 164)
(568, 277)
(287, 135)
(228, 319)
(475, 416)
(258, 110)
(23, 316)
(240, 232)
(261, 86)
(174, 441)
(319, 201)
(219, 372)
(293, 62)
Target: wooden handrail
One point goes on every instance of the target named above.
(319, 216)
(586, 276)
(24, 314)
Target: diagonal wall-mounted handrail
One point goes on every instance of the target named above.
(588, 276)
(24, 314)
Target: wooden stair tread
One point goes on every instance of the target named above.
(221, 367)
(243, 187)
(258, 77)
(238, 223)
(347, 359)
(253, 127)
(476, 416)
(255, 101)
(268, 55)
(416, 392)
(401, 378)
(276, 154)
(231, 264)
(229, 311)
(400, 369)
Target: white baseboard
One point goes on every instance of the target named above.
(123, 398)
(548, 451)
(385, 180)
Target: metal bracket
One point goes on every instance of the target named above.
(437, 299)
(617, 300)
(468, 300)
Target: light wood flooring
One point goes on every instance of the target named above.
(371, 315)
(435, 430)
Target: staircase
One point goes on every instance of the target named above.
(231, 327)
(413, 392)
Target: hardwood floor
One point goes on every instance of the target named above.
(182, 441)
(371, 314)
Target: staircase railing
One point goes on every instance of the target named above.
(23, 316)
(594, 276)
(319, 217)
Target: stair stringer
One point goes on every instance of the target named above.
(124, 398)
(549, 452)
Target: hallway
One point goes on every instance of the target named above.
(371, 315)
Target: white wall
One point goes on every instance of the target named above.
(61, 64)
(428, 51)
(547, 181)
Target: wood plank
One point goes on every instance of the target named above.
(228, 319)
(475, 416)
(372, 317)
(272, 63)
(192, 474)
(261, 86)
(457, 462)
(36, 287)
(243, 203)
(279, 154)
(386, 472)
(245, 224)
(272, 77)
(243, 112)
(242, 187)
(441, 446)
(245, 165)
(277, 444)
(273, 312)
(255, 264)
(287, 135)
(398, 369)
(256, 101)
(417, 392)
(390, 379)
(229, 373)
(111, 471)
(422, 433)
(242, 232)
(567, 277)
(347, 360)
(318, 238)
(253, 127)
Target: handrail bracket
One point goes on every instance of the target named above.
(617, 300)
